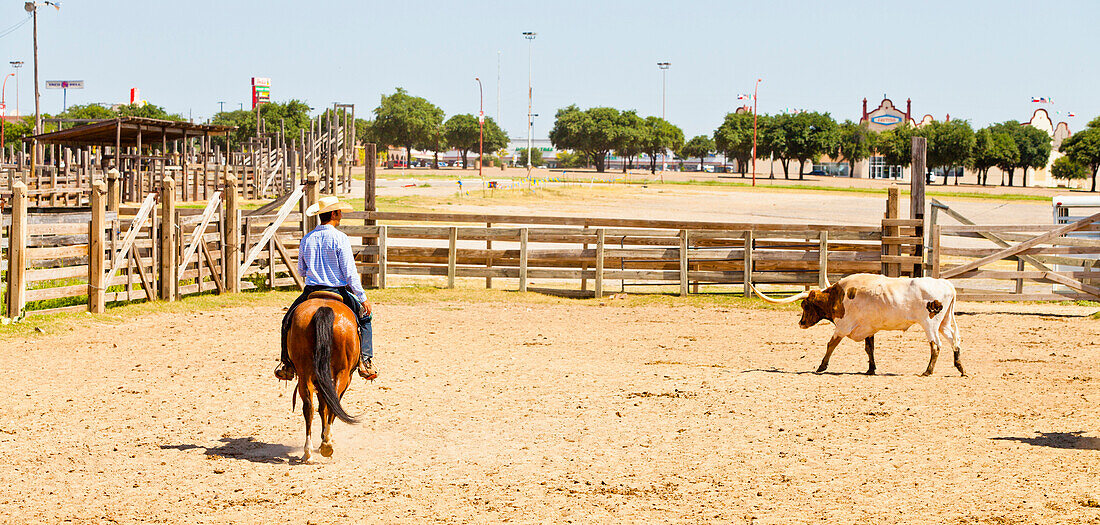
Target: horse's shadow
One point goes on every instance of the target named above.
(1068, 440)
(243, 448)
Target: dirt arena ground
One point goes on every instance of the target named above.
(518, 411)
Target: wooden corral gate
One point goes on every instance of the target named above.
(1017, 262)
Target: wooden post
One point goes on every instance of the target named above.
(96, 243)
(114, 194)
(168, 277)
(936, 251)
(382, 257)
(747, 260)
(488, 260)
(584, 263)
(918, 171)
(1019, 282)
(823, 259)
(232, 249)
(523, 235)
(452, 256)
(892, 201)
(598, 287)
(271, 262)
(683, 263)
(370, 205)
(17, 250)
(312, 195)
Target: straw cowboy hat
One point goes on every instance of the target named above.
(327, 204)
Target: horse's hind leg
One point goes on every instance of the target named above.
(326, 430)
(307, 412)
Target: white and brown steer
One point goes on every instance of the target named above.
(862, 304)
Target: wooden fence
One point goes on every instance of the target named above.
(1019, 263)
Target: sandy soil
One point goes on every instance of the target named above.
(493, 412)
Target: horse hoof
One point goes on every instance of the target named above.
(325, 450)
(305, 458)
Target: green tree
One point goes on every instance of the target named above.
(773, 140)
(734, 139)
(1033, 145)
(1083, 148)
(567, 159)
(660, 136)
(1066, 169)
(463, 132)
(407, 121)
(629, 134)
(536, 157)
(699, 146)
(812, 135)
(992, 148)
(15, 131)
(950, 144)
(148, 111)
(895, 145)
(591, 132)
(290, 116)
(854, 143)
(88, 111)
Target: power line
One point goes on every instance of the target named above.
(17, 25)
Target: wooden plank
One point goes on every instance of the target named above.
(823, 260)
(136, 225)
(44, 274)
(196, 235)
(215, 270)
(911, 223)
(291, 267)
(57, 252)
(747, 271)
(57, 292)
(1014, 250)
(58, 229)
(598, 287)
(59, 310)
(382, 255)
(145, 279)
(288, 206)
(902, 259)
(452, 253)
(998, 240)
(683, 263)
(523, 275)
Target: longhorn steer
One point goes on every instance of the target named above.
(862, 304)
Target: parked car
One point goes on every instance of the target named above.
(818, 171)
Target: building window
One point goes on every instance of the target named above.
(877, 169)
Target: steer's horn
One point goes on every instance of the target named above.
(788, 300)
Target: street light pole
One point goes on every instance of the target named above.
(499, 122)
(37, 114)
(481, 127)
(755, 90)
(221, 106)
(4, 109)
(17, 64)
(530, 114)
(664, 90)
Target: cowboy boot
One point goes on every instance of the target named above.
(366, 350)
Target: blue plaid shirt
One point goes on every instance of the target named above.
(325, 259)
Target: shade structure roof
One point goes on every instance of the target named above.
(125, 131)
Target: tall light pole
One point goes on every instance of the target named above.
(17, 64)
(664, 90)
(480, 126)
(498, 90)
(755, 90)
(32, 8)
(221, 106)
(3, 110)
(530, 114)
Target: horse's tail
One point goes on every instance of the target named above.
(322, 322)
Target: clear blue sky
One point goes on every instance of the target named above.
(978, 60)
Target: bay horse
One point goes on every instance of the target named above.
(323, 344)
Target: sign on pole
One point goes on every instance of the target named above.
(64, 84)
(261, 91)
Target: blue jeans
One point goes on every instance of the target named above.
(366, 342)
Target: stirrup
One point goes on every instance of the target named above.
(285, 372)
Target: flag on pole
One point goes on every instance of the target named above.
(1042, 100)
(1070, 114)
(744, 97)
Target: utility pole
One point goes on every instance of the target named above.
(664, 90)
(530, 115)
(221, 106)
(30, 6)
(499, 122)
(481, 127)
(755, 90)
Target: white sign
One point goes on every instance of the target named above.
(261, 81)
(64, 84)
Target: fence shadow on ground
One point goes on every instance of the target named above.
(1067, 440)
(811, 372)
(245, 448)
